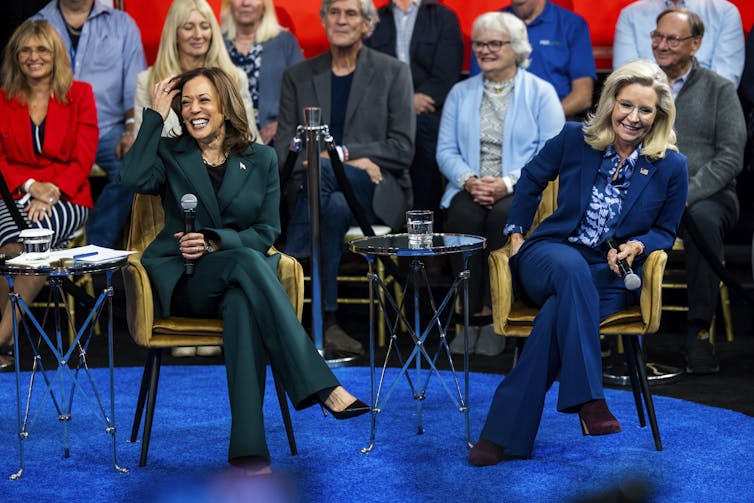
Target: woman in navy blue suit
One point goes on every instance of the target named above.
(620, 176)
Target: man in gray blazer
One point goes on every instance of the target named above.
(711, 134)
(366, 98)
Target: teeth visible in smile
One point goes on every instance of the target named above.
(199, 122)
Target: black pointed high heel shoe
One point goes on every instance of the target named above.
(356, 408)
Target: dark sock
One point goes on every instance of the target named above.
(694, 327)
(329, 320)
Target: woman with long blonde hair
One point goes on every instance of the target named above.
(191, 38)
(263, 50)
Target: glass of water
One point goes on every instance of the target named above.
(419, 224)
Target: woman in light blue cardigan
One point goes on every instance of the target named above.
(492, 125)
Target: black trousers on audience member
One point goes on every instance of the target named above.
(467, 217)
(714, 217)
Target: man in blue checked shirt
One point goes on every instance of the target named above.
(105, 48)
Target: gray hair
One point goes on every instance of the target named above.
(510, 25)
(368, 11)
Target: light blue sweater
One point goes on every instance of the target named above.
(533, 117)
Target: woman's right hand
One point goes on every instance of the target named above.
(45, 192)
(162, 97)
(516, 239)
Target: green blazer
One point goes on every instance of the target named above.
(244, 213)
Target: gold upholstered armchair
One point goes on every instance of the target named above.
(514, 318)
(147, 219)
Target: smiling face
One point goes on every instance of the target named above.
(497, 64)
(633, 114)
(194, 35)
(35, 59)
(674, 61)
(246, 12)
(344, 24)
(200, 110)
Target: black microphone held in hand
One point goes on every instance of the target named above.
(631, 280)
(188, 203)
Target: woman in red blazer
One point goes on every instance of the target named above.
(48, 140)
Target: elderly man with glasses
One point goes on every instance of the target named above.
(711, 134)
(721, 50)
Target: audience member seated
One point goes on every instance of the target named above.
(105, 48)
(263, 50)
(237, 220)
(492, 125)
(426, 36)
(48, 140)
(191, 38)
(619, 176)
(561, 52)
(721, 50)
(711, 134)
(366, 98)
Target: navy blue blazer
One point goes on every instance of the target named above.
(436, 48)
(651, 211)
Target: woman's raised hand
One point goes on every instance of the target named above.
(162, 97)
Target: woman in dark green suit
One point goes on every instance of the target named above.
(236, 184)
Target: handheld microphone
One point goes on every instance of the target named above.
(631, 280)
(188, 203)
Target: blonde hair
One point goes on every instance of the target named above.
(598, 128)
(168, 61)
(507, 23)
(269, 26)
(13, 81)
(238, 136)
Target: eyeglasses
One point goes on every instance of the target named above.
(492, 45)
(672, 41)
(626, 107)
(27, 51)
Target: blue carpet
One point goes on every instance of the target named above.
(707, 456)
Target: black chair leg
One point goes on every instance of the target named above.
(154, 378)
(634, 376)
(145, 376)
(641, 367)
(285, 412)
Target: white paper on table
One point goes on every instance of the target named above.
(100, 254)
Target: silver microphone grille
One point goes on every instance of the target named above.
(188, 202)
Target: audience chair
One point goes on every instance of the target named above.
(514, 318)
(147, 219)
(675, 279)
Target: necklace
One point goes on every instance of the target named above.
(215, 164)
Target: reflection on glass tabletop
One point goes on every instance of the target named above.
(398, 245)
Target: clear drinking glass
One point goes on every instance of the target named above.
(419, 224)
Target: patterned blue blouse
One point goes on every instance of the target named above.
(250, 63)
(607, 199)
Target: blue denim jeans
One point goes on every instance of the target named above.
(113, 205)
(335, 219)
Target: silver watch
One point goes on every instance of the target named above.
(208, 248)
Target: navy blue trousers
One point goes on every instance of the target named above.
(575, 289)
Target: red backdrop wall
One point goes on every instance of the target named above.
(302, 18)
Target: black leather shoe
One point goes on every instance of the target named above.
(700, 357)
(356, 408)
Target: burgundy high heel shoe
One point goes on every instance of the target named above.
(485, 453)
(596, 419)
